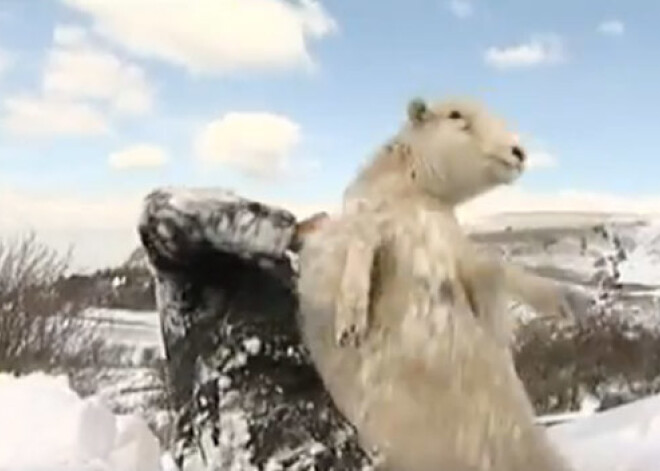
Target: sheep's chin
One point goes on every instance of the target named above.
(505, 172)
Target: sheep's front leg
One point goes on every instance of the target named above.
(486, 276)
(547, 297)
(352, 305)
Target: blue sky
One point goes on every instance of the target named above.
(282, 100)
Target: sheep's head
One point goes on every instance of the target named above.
(459, 150)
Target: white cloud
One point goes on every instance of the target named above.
(77, 68)
(75, 221)
(81, 84)
(540, 160)
(214, 36)
(40, 117)
(461, 8)
(612, 28)
(539, 50)
(70, 35)
(257, 144)
(61, 210)
(138, 156)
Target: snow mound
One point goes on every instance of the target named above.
(621, 439)
(45, 426)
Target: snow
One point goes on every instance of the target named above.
(44, 425)
(588, 406)
(222, 218)
(621, 439)
(524, 220)
(642, 265)
(252, 345)
(138, 331)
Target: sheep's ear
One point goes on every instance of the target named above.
(418, 111)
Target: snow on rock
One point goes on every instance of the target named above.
(621, 439)
(44, 425)
(219, 218)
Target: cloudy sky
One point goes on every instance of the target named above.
(281, 100)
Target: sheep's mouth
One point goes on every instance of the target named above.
(511, 165)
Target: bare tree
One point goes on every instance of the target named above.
(40, 326)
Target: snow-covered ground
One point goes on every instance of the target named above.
(134, 384)
(138, 332)
(643, 264)
(137, 329)
(44, 426)
(626, 438)
(585, 251)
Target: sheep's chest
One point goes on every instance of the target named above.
(423, 292)
(424, 250)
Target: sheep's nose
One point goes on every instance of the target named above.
(519, 153)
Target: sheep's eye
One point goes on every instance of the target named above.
(455, 115)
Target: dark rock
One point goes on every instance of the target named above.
(246, 393)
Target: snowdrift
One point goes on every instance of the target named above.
(45, 426)
(626, 438)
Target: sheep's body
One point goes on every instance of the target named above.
(427, 378)
(429, 387)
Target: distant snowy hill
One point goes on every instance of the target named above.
(552, 220)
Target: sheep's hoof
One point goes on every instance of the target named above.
(349, 337)
(351, 322)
